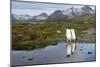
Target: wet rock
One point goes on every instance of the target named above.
(89, 52)
(30, 59)
(81, 49)
(68, 55)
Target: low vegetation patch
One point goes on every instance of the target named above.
(26, 36)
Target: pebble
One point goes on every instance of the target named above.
(89, 52)
(68, 55)
(30, 59)
(81, 49)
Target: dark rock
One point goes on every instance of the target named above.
(30, 59)
(81, 49)
(89, 52)
(68, 55)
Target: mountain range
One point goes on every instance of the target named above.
(57, 15)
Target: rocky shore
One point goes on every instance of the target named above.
(89, 36)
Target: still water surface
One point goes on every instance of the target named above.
(54, 54)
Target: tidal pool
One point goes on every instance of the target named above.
(54, 54)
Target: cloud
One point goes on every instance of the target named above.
(28, 7)
(39, 6)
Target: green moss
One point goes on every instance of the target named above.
(44, 43)
(44, 34)
(26, 45)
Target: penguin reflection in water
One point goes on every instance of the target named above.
(71, 48)
(71, 37)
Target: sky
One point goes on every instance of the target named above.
(36, 8)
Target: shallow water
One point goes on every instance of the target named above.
(54, 54)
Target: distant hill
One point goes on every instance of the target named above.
(41, 17)
(57, 16)
(85, 14)
(15, 17)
